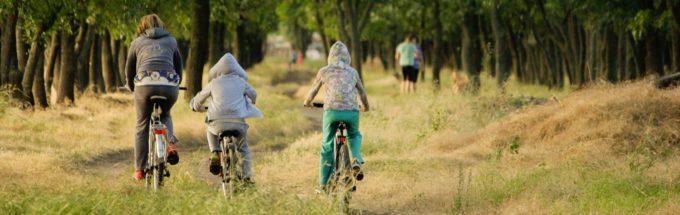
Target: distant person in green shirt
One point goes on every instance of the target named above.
(406, 54)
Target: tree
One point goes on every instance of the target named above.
(197, 48)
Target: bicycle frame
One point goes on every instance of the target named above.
(230, 161)
(342, 182)
(156, 158)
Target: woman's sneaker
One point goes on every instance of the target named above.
(173, 156)
(358, 170)
(138, 175)
(215, 167)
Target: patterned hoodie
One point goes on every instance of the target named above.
(343, 82)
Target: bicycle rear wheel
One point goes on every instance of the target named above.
(228, 163)
(345, 182)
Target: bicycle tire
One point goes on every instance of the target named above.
(150, 161)
(345, 179)
(233, 169)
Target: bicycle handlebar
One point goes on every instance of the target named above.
(126, 89)
(317, 104)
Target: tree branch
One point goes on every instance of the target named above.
(366, 15)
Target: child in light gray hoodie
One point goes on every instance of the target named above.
(232, 100)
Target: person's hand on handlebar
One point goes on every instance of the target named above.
(363, 108)
(307, 103)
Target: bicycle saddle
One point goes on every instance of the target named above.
(233, 133)
(158, 98)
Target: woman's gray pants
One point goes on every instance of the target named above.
(215, 127)
(144, 108)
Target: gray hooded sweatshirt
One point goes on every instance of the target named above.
(153, 59)
(231, 97)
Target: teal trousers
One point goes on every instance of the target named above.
(330, 125)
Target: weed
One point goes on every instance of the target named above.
(513, 144)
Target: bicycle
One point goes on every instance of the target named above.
(156, 169)
(231, 172)
(230, 158)
(343, 178)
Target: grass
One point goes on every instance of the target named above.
(604, 149)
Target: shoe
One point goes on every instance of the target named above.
(358, 170)
(215, 167)
(173, 156)
(138, 175)
(321, 189)
(248, 183)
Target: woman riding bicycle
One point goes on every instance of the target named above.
(343, 86)
(232, 100)
(153, 68)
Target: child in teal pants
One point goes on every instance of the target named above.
(343, 86)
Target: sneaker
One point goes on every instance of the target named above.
(249, 183)
(173, 156)
(358, 170)
(321, 189)
(138, 175)
(215, 167)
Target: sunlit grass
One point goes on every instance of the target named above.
(531, 150)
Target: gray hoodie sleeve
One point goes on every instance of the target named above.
(131, 67)
(250, 92)
(200, 98)
(177, 62)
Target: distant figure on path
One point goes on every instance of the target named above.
(153, 68)
(405, 55)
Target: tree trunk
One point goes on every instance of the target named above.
(8, 37)
(471, 52)
(502, 51)
(65, 94)
(108, 68)
(82, 76)
(320, 25)
(215, 50)
(51, 60)
(612, 51)
(21, 45)
(197, 49)
(94, 65)
(437, 46)
(122, 57)
(355, 33)
(653, 61)
(39, 93)
(31, 66)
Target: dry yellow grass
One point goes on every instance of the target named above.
(604, 149)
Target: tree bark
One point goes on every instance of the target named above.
(8, 37)
(21, 45)
(94, 65)
(215, 49)
(65, 93)
(471, 52)
(39, 93)
(31, 66)
(197, 49)
(437, 46)
(122, 56)
(51, 60)
(653, 62)
(320, 25)
(108, 68)
(82, 76)
(502, 51)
